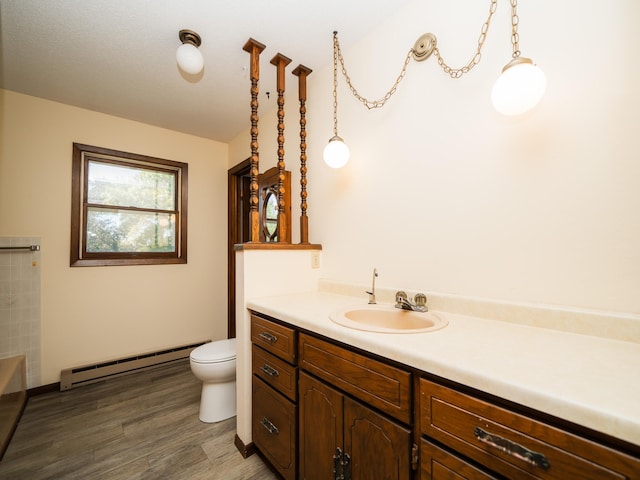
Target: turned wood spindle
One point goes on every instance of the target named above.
(280, 61)
(254, 48)
(302, 73)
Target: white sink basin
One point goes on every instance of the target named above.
(387, 319)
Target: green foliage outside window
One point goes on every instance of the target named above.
(118, 230)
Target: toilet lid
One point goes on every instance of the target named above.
(214, 352)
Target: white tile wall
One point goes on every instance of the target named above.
(20, 304)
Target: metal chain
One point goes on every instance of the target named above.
(452, 72)
(337, 55)
(515, 38)
(458, 72)
(335, 83)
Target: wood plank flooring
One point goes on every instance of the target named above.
(140, 426)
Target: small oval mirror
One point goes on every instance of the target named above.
(270, 216)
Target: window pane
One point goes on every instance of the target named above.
(123, 186)
(110, 230)
(127, 208)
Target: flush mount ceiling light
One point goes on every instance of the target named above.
(518, 89)
(188, 56)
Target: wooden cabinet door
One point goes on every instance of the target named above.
(379, 448)
(320, 427)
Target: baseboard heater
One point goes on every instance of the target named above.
(85, 375)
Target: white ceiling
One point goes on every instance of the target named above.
(118, 56)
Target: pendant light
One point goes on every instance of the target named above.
(336, 153)
(522, 84)
(520, 87)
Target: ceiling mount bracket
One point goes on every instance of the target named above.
(424, 47)
(189, 36)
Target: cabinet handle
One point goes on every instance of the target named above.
(270, 427)
(269, 370)
(511, 448)
(415, 459)
(341, 465)
(268, 337)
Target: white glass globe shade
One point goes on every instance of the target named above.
(520, 87)
(189, 59)
(336, 153)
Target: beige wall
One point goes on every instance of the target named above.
(91, 314)
(443, 194)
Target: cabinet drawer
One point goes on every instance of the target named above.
(514, 445)
(438, 464)
(382, 386)
(275, 372)
(275, 338)
(274, 428)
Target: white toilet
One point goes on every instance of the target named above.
(215, 364)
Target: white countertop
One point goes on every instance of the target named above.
(588, 380)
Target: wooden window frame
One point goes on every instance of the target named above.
(79, 257)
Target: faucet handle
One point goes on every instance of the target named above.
(400, 295)
(420, 299)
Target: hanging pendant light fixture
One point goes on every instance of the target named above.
(522, 84)
(519, 88)
(336, 153)
(188, 56)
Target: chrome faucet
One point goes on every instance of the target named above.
(372, 293)
(418, 304)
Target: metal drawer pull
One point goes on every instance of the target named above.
(269, 370)
(511, 448)
(268, 337)
(270, 427)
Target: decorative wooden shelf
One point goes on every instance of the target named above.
(276, 246)
(280, 61)
(13, 383)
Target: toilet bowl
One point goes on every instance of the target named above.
(215, 364)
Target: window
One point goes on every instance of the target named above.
(127, 209)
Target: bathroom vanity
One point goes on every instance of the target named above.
(332, 402)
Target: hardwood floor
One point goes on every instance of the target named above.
(140, 426)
